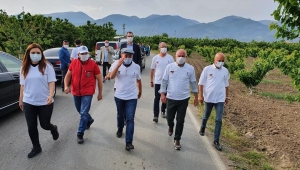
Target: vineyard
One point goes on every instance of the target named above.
(265, 117)
(265, 94)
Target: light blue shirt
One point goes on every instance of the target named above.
(130, 46)
(105, 55)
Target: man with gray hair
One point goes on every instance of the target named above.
(178, 76)
(213, 89)
(158, 66)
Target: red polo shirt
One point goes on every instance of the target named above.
(83, 81)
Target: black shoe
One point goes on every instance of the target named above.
(163, 115)
(155, 119)
(170, 131)
(55, 133)
(129, 146)
(217, 145)
(89, 124)
(34, 152)
(80, 139)
(119, 133)
(201, 132)
(177, 145)
(104, 80)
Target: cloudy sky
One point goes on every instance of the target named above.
(200, 10)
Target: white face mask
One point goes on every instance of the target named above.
(66, 46)
(106, 44)
(163, 50)
(129, 39)
(180, 60)
(35, 57)
(127, 61)
(219, 64)
(84, 57)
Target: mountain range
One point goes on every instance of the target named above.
(235, 27)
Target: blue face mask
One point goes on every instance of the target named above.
(35, 57)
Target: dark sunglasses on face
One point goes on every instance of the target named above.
(220, 60)
(129, 36)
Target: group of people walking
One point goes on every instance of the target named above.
(172, 80)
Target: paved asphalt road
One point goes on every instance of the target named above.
(154, 148)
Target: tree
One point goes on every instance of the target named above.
(287, 14)
(164, 35)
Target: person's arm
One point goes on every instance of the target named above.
(67, 81)
(21, 97)
(100, 86)
(201, 97)
(139, 85)
(115, 70)
(51, 86)
(151, 77)
(111, 50)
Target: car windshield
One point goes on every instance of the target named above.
(54, 52)
(11, 64)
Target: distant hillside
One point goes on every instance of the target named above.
(77, 18)
(235, 27)
(151, 25)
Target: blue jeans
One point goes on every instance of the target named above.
(219, 115)
(129, 107)
(83, 105)
(157, 101)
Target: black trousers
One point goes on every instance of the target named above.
(106, 65)
(157, 101)
(177, 108)
(64, 71)
(44, 114)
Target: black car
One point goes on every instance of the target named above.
(52, 56)
(9, 83)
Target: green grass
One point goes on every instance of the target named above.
(271, 81)
(279, 96)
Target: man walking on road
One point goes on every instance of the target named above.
(107, 53)
(137, 57)
(64, 57)
(158, 66)
(213, 89)
(178, 76)
(83, 73)
(128, 90)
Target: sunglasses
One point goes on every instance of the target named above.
(129, 36)
(220, 60)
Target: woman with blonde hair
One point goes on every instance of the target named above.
(37, 80)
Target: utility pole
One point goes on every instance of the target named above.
(124, 29)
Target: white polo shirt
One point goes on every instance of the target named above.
(126, 78)
(36, 88)
(74, 53)
(159, 64)
(179, 80)
(214, 82)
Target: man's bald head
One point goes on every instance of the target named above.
(219, 58)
